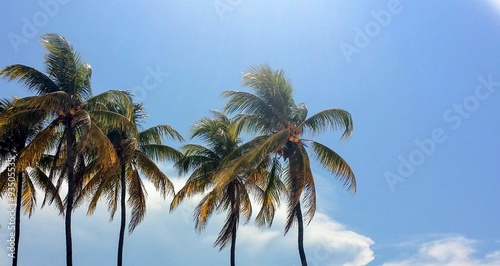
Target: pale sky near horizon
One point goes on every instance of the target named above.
(420, 78)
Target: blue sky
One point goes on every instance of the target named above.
(420, 78)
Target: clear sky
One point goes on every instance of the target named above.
(420, 78)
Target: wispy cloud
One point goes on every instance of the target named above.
(448, 251)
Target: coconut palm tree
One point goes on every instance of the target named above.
(137, 154)
(64, 96)
(13, 141)
(270, 111)
(222, 146)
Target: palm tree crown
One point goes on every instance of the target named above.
(64, 98)
(280, 123)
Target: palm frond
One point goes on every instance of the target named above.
(156, 133)
(295, 180)
(205, 209)
(336, 165)
(52, 194)
(31, 78)
(36, 148)
(151, 171)
(28, 198)
(63, 64)
(137, 199)
(336, 119)
(158, 152)
(269, 198)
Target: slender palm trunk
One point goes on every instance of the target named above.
(18, 217)
(300, 222)
(123, 213)
(233, 244)
(71, 190)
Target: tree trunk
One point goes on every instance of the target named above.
(300, 222)
(123, 213)
(235, 209)
(18, 217)
(71, 190)
(233, 245)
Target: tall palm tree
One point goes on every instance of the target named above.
(270, 111)
(64, 96)
(222, 146)
(13, 141)
(137, 153)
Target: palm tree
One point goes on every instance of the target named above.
(13, 141)
(272, 113)
(64, 96)
(205, 162)
(137, 152)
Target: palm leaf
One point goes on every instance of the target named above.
(137, 199)
(337, 119)
(31, 78)
(336, 165)
(154, 174)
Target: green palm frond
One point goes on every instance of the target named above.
(337, 119)
(109, 120)
(64, 65)
(196, 156)
(205, 209)
(49, 102)
(31, 78)
(251, 124)
(157, 133)
(196, 184)
(269, 196)
(81, 121)
(244, 203)
(115, 100)
(151, 171)
(295, 179)
(28, 199)
(336, 165)
(159, 152)
(36, 148)
(137, 199)
(271, 85)
(4, 182)
(239, 101)
(52, 194)
(101, 184)
(261, 147)
(100, 144)
(27, 119)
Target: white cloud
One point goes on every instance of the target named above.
(449, 251)
(165, 238)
